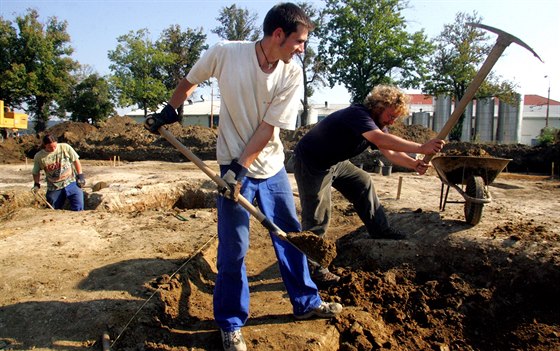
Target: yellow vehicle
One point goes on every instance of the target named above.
(11, 122)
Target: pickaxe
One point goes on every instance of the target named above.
(503, 41)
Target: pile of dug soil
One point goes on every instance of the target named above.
(124, 138)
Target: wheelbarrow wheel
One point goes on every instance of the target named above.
(475, 189)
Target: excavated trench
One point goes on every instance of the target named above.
(409, 295)
(437, 295)
(448, 293)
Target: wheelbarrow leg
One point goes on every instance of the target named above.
(442, 200)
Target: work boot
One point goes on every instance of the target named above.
(233, 340)
(324, 278)
(325, 310)
(390, 234)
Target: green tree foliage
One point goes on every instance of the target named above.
(548, 136)
(314, 68)
(237, 24)
(36, 65)
(138, 71)
(90, 100)
(460, 50)
(184, 49)
(10, 90)
(365, 43)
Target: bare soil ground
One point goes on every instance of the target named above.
(139, 263)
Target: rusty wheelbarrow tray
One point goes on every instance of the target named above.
(470, 176)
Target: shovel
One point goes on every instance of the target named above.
(309, 244)
(42, 198)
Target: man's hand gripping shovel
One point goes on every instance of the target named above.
(311, 245)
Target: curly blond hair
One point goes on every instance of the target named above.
(384, 96)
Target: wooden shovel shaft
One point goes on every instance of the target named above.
(221, 183)
(44, 199)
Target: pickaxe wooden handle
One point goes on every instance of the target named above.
(503, 41)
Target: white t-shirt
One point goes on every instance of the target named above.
(249, 96)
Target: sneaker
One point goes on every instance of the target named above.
(324, 278)
(325, 310)
(233, 341)
(390, 234)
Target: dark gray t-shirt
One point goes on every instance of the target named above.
(336, 138)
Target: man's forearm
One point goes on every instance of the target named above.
(256, 144)
(399, 158)
(183, 90)
(392, 142)
(78, 166)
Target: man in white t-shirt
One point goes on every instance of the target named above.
(260, 87)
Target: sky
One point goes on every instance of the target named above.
(95, 25)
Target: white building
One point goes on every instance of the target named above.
(202, 113)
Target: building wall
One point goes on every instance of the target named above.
(534, 120)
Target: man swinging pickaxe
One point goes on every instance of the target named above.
(503, 41)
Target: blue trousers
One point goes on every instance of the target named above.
(231, 293)
(72, 192)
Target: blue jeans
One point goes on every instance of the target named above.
(231, 293)
(72, 192)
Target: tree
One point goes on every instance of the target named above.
(90, 100)
(237, 24)
(138, 74)
(314, 69)
(38, 74)
(365, 43)
(10, 91)
(460, 49)
(184, 49)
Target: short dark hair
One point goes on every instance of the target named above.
(48, 139)
(286, 16)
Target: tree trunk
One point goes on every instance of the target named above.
(41, 115)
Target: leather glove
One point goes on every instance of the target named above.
(233, 177)
(36, 187)
(81, 180)
(167, 116)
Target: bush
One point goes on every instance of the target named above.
(548, 136)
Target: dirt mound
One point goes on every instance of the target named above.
(525, 159)
(452, 302)
(501, 303)
(124, 138)
(415, 132)
(71, 132)
(448, 286)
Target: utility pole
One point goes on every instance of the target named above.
(212, 107)
(547, 102)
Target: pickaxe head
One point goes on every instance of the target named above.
(504, 37)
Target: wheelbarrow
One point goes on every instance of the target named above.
(470, 176)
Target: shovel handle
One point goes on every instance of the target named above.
(221, 183)
(43, 199)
